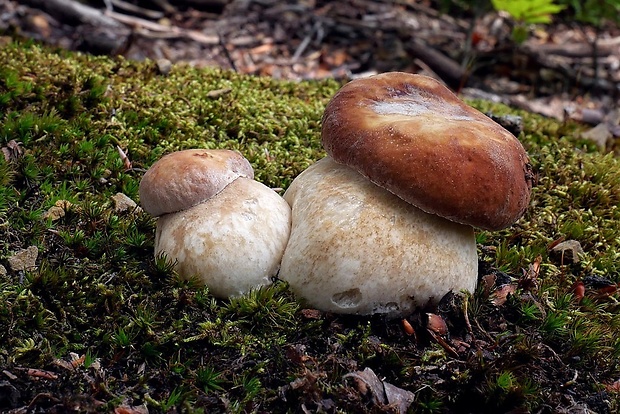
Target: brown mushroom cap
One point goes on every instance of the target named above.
(412, 136)
(183, 179)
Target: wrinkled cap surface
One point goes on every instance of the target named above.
(183, 179)
(412, 136)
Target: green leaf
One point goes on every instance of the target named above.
(529, 11)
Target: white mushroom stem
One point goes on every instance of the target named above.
(357, 248)
(232, 242)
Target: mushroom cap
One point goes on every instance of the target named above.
(356, 248)
(183, 179)
(412, 136)
(232, 242)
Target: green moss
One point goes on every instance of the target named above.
(150, 337)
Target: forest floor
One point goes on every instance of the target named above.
(90, 321)
(552, 72)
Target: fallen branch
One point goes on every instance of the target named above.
(605, 47)
(123, 5)
(72, 12)
(577, 76)
(449, 70)
(170, 31)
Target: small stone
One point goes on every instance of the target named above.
(164, 66)
(568, 251)
(123, 203)
(39, 24)
(57, 211)
(54, 213)
(2, 270)
(24, 259)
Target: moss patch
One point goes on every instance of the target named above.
(100, 323)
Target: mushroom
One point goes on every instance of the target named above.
(384, 223)
(215, 221)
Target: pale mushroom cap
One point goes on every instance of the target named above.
(186, 178)
(232, 242)
(357, 248)
(413, 136)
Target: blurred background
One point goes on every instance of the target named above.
(560, 58)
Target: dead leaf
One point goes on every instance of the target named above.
(311, 313)
(614, 387)
(53, 213)
(382, 393)
(555, 242)
(63, 364)
(126, 409)
(39, 373)
(499, 297)
(488, 282)
(529, 280)
(13, 150)
(123, 203)
(77, 360)
(608, 290)
(436, 324)
(296, 353)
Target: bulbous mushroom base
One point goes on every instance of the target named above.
(357, 248)
(233, 242)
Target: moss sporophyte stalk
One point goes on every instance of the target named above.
(99, 321)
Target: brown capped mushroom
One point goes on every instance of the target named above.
(183, 179)
(383, 224)
(357, 248)
(412, 136)
(215, 221)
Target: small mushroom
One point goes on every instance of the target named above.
(384, 223)
(215, 221)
